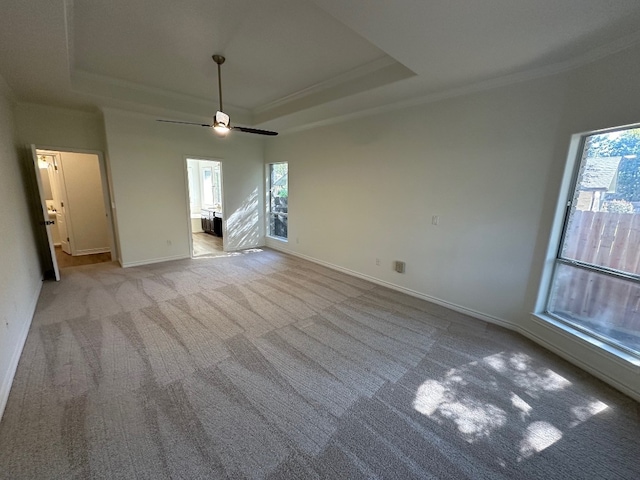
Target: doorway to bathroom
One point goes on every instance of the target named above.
(76, 207)
(206, 225)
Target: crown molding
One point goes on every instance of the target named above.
(92, 113)
(150, 113)
(356, 73)
(128, 113)
(82, 78)
(374, 75)
(133, 93)
(549, 70)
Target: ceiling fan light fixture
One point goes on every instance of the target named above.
(223, 129)
(221, 123)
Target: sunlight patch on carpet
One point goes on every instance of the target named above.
(520, 369)
(474, 419)
(504, 390)
(537, 437)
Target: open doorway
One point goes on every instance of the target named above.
(206, 219)
(76, 207)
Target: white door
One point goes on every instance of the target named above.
(45, 214)
(60, 201)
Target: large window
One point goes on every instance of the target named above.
(596, 284)
(278, 199)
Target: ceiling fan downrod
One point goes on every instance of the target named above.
(219, 59)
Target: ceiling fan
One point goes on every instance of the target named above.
(221, 120)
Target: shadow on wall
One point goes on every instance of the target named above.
(243, 229)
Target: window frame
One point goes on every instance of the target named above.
(204, 191)
(567, 198)
(269, 196)
(191, 187)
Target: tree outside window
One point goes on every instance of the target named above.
(278, 199)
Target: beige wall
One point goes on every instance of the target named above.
(20, 281)
(147, 160)
(59, 127)
(364, 190)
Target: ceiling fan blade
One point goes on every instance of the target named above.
(185, 123)
(254, 130)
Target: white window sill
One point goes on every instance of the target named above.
(279, 239)
(614, 366)
(619, 356)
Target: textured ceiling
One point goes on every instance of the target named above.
(291, 63)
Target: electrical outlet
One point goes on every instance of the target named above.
(399, 266)
(435, 220)
(169, 242)
(377, 261)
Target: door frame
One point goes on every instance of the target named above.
(187, 188)
(106, 192)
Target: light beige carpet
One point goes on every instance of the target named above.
(262, 365)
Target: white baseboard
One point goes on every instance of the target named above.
(152, 261)
(423, 296)
(5, 386)
(92, 251)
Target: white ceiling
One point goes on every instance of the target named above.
(292, 63)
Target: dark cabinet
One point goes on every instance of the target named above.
(212, 222)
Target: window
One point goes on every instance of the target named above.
(205, 185)
(211, 186)
(596, 283)
(278, 197)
